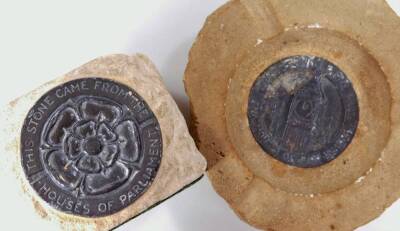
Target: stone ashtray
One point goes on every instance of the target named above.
(295, 105)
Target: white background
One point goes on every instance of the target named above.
(41, 40)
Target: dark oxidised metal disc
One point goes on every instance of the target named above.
(91, 147)
(303, 111)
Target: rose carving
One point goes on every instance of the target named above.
(91, 146)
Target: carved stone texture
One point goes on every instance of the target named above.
(295, 105)
(94, 148)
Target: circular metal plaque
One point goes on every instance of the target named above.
(303, 111)
(91, 147)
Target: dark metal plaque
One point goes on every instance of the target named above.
(303, 111)
(91, 147)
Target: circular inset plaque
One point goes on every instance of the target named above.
(280, 127)
(91, 147)
(303, 111)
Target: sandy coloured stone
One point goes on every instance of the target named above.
(239, 42)
(181, 163)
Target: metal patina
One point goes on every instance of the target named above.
(91, 147)
(303, 111)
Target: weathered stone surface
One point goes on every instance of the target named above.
(181, 162)
(237, 44)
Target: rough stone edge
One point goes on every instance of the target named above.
(215, 171)
(112, 67)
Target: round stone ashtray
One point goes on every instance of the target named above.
(295, 106)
